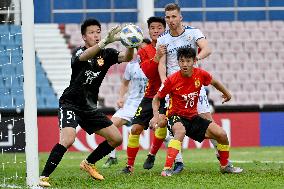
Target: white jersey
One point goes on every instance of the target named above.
(138, 82)
(187, 39)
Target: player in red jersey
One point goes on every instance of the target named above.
(184, 88)
(149, 61)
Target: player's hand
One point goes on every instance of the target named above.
(226, 97)
(161, 50)
(120, 102)
(153, 124)
(111, 37)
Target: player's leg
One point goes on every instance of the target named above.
(67, 126)
(178, 130)
(216, 132)
(159, 137)
(99, 123)
(133, 147)
(112, 160)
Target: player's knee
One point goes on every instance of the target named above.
(222, 135)
(67, 141)
(136, 130)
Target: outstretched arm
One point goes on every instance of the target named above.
(226, 94)
(162, 68)
(155, 107)
(92, 51)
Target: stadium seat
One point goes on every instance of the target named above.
(224, 26)
(249, 87)
(262, 87)
(277, 87)
(271, 98)
(250, 46)
(271, 76)
(251, 25)
(236, 46)
(264, 25)
(277, 25)
(19, 101)
(238, 25)
(243, 77)
(257, 77)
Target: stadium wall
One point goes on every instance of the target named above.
(66, 11)
(245, 129)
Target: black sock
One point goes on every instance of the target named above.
(53, 160)
(101, 151)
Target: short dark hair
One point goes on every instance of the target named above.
(147, 41)
(156, 19)
(89, 22)
(186, 52)
(172, 6)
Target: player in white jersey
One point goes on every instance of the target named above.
(134, 82)
(178, 36)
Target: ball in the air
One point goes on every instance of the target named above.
(131, 36)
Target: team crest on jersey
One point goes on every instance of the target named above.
(100, 61)
(197, 83)
(189, 38)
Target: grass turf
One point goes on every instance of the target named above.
(264, 168)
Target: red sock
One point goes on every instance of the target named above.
(171, 155)
(157, 143)
(131, 155)
(224, 156)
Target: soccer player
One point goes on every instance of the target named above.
(149, 59)
(78, 103)
(184, 89)
(133, 76)
(183, 36)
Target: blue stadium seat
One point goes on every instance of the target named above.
(15, 29)
(47, 91)
(52, 102)
(4, 29)
(41, 102)
(7, 101)
(18, 39)
(17, 91)
(19, 101)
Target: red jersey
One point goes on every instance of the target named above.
(184, 92)
(150, 69)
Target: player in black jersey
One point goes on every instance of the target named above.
(78, 103)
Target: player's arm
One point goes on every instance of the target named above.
(122, 91)
(155, 106)
(92, 51)
(220, 87)
(126, 56)
(205, 51)
(162, 68)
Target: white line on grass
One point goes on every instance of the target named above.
(9, 186)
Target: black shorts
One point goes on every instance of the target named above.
(144, 112)
(90, 121)
(195, 128)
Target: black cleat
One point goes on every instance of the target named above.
(149, 162)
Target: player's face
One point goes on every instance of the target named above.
(173, 19)
(156, 29)
(186, 65)
(92, 35)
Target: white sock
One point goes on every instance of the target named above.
(179, 157)
(112, 154)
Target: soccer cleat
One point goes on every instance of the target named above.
(231, 169)
(167, 173)
(44, 181)
(110, 161)
(91, 169)
(149, 162)
(128, 169)
(178, 167)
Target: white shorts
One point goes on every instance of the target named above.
(203, 105)
(127, 112)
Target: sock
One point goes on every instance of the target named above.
(101, 151)
(159, 137)
(53, 160)
(132, 149)
(223, 151)
(173, 149)
(112, 154)
(215, 143)
(179, 157)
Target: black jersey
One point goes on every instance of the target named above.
(86, 79)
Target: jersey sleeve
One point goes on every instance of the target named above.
(198, 34)
(145, 63)
(110, 55)
(127, 74)
(165, 88)
(207, 77)
(75, 56)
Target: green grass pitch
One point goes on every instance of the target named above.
(264, 168)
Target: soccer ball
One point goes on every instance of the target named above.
(131, 36)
